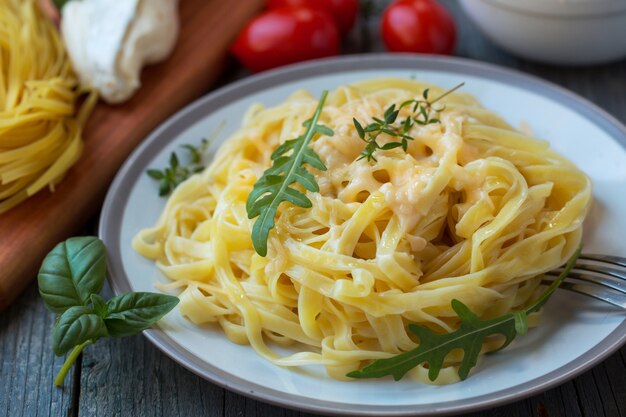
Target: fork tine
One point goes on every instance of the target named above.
(605, 273)
(606, 281)
(615, 260)
(608, 296)
(619, 272)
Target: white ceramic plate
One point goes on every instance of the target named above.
(576, 332)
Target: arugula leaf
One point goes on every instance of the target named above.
(73, 271)
(274, 186)
(131, 313)
(473, 331)
(76, 326)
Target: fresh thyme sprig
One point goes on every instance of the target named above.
(421, 115)
(176, 173)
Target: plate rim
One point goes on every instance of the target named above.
(114, 205)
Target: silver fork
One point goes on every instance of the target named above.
(602, 277)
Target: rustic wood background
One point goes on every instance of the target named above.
(111, 134)
(129, 377)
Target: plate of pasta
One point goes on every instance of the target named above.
(356, 215)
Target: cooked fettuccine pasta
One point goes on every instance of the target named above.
(473, 210)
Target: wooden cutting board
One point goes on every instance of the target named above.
(29, 231)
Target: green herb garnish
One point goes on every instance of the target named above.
(176, 173)
(422, 109)
(70, 279)
(470, 336)
(60, 3)
(274, 186)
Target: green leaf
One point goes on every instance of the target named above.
(406, 126)
(469, 337)
(391, 114)
(76, 326)
(164, 188)
(274, 187)
(155, 174)
(372, 127)
(424, 113)
(359, 128)
(521, 322)
(391, 145)
(99, 305)
(60, 3)
(406, 103)
(71, 272)
(194, 154)
(434, 348)
(174, 161)
(130, 313)
(325, 130)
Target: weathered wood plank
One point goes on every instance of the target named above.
(130, 377)
(28, 365)
(616, 372)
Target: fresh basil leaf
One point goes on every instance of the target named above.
(75, 326)
(73, 271)
(133, 312)
(99, 305)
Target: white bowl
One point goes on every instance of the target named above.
(569, 32)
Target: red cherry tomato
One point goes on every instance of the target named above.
(343, 11)
(418, 26)
(284, 36)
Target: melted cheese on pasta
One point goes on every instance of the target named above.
(474, 210)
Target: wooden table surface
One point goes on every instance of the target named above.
(130, 377)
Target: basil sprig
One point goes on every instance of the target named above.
(70, 278)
